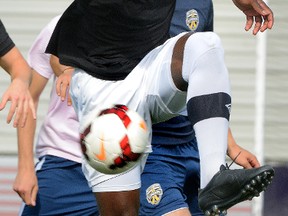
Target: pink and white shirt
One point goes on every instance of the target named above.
(58, 134)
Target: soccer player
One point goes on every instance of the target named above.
(13, 63)
(56, 158)
(121, 55)
(63, 188)
(174, 146)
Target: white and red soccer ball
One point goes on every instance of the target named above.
(115, 140)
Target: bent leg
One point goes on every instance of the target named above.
(208, 96)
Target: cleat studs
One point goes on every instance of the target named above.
(253, 182)
(258, 178)
(247, 187)
(207, 213)
(215, 208)
(243, 191)
(224, 212)
(265, 175)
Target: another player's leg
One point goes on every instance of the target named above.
(208, 106)
(163, 181)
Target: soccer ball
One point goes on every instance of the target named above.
(115, 140)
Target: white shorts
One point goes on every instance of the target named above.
(148, 89)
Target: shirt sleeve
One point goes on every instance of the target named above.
(6, 43)
(37, 58)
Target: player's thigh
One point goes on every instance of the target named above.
(164, 98)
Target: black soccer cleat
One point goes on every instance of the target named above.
(229, 187)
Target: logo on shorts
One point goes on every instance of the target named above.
(192, 19)
(154, 194)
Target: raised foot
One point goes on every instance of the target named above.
(229, 187)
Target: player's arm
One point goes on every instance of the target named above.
(64, 74)
(25, 183)
(18, 93)
(245, 159)
(258, 13)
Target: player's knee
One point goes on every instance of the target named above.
(196, 47)
(201, 42)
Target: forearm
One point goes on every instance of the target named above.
(231, 141)
(57, 67)
(241, 156)
(14, 64)
(26, 144)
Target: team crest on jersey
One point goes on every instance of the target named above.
(154, 194)
(192, 19)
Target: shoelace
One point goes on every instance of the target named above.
(233, 161)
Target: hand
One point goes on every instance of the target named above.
(245, 159)
(62, 85)
(257, 12)
(21, 100)
(26, 185)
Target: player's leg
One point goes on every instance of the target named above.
(116, 195)
(207, 95)
(163, 181)
(121, 203)
(199, 61)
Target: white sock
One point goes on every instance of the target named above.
(208, 91)
(213, 132)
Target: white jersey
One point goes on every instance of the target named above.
(58, 134)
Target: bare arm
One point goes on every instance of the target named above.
(18, 93)
(25, 183)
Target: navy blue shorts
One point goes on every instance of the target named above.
(63, 190)
(171, 179)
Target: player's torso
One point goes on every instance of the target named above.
(111, 37)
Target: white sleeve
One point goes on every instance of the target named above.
(37, 58)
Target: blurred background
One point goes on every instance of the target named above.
(258, 68)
